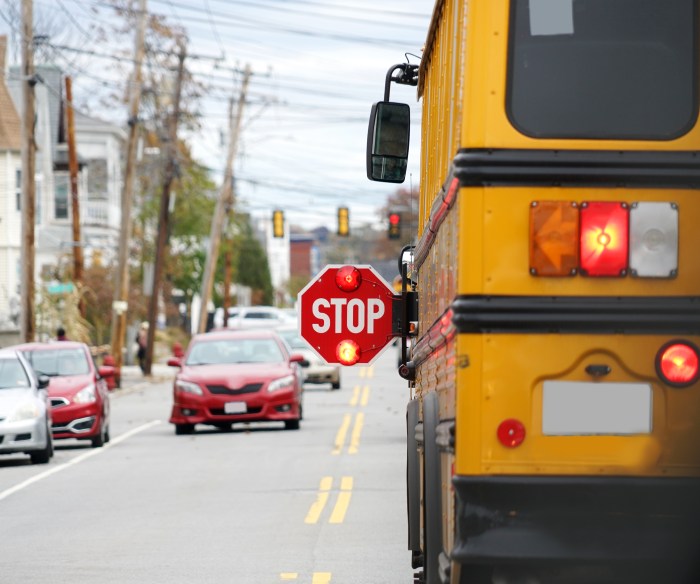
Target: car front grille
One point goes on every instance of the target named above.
(223, 390)
(58, 402)
(221, 412)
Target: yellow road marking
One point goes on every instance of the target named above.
(343, 502)
(321, 578)
(342, 433)
(370, 371)
(321, 499)
(365, 396)
(356, 431)
(289, 576)
(355, 395)
(363, 371)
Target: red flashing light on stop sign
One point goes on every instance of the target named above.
(348, 278)
(348, 352)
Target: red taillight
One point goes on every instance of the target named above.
(348, 352)
(604, 240)
(511, 433)
(677, 363)
(348, 278)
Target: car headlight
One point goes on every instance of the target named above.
(26, 411)
(286, 382)
(188, 387)
(86, 395)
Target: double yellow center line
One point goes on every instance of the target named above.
(341, 505)
(360, 397)
(318, 577)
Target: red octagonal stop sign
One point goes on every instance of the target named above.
(346, 314)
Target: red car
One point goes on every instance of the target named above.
(236, 376)
(77, 391)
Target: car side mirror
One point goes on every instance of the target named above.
(174, 362)
(43, 381)
(298, 358)
(387, 141)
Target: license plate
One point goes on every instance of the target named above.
(235, 408)
(583, 408)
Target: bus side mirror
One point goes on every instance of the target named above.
(387, 141)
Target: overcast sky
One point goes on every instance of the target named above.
(318, 65)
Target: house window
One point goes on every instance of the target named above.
(61, 198)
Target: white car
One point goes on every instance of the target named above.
(248, 317)
(25, 413)
(317, 371)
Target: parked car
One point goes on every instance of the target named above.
(317, 371)
(25, 413)
(236, 376)
(78, 390)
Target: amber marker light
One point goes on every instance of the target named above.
(677, 363)
(604, 240)
(348, 352)
(511, 433)
(554, 238)
(348, 278)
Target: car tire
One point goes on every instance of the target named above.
(183, 429)
(99, 440)
(335, 385)
(44, 455)
(291, 424)
(107, 436)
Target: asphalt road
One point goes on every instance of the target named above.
(257, 505)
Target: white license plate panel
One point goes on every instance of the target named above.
(235, 408)
(575, 408)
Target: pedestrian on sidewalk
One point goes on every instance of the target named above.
(142, 341)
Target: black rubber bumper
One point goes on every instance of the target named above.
(544, 520)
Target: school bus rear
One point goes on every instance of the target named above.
(558, 282)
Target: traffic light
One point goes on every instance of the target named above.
(278, 223)
(343, 222)
(394, 226)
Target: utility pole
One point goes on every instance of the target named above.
(121, 285)
(73, 169)
(163, 219)
(223, 204)
(27, 326)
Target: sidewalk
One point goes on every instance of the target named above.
(132, 376)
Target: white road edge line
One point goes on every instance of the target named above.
(94, 452)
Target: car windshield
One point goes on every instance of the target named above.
(229, 351)
(12, 374)
(293, 339)
(58, 362)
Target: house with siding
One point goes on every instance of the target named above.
(10, 197)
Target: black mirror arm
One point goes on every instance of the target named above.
(408, 75)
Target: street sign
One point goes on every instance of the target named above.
(346, 314)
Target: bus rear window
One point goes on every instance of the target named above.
(603, 69)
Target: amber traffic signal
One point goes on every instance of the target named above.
(278, 223)
(343, 222)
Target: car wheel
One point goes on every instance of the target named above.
(335, 385)
(291, 424)
(107, 436)
(44, 455)
(99, 440)
(182, 429)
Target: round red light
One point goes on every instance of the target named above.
(511, 433)
(348, 278)
(348, 352)
(394, 218)
(678, 364)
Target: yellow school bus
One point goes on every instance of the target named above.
(554, 428)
